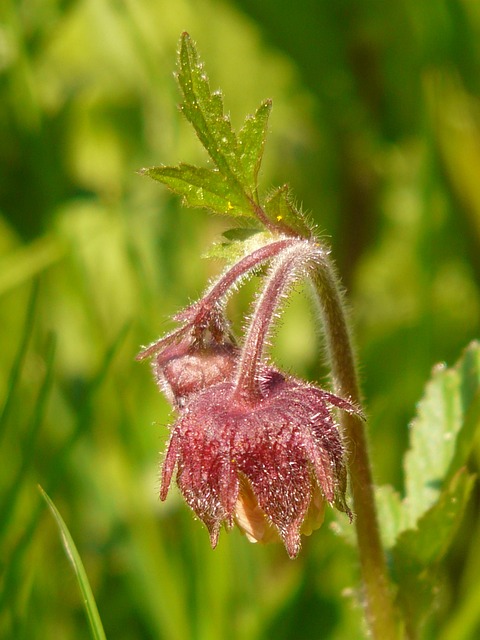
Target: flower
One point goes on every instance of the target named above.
(269, 466)
(251, 446)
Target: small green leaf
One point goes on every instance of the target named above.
(76, 562)
(442, 433)
(418, 551)
(280, 209)
(251, 140)
(441, 438)
(232, 187)
(204, 110)
(200, 187)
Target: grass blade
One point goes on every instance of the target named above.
(74, 557)
(13, 573)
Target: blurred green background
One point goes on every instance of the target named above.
(376, 125)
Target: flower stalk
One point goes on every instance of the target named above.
(297, 254)
(378, 597)
(206, 313)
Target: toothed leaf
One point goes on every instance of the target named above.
(251, 140)
(443, 431)
(442, 435)
(205, 111)
(232, 187)
(201, 187)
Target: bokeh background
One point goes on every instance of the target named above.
(376, 125)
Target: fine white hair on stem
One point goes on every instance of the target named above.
(216, 295)
(289, 266)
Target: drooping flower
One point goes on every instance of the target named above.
(251, 446)
(269, 467)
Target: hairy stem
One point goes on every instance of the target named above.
(200, 314)
(231, 277)
(380, 612)
(282, 275)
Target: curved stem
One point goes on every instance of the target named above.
(232, 276)
(380, 611)
(199, 314)
(281, 276)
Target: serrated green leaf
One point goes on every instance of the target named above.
(232, 187)
(280, 209)
(77, 564)
(442, 435)
(443, 431)
(418, 551)
(204, 110)
(251, 141)
(200, 187)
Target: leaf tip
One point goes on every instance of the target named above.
(185, 39)
(186, 42)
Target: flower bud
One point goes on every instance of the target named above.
(187, 367)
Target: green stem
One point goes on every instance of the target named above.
(378, 597)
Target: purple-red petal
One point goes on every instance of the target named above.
(286, 447)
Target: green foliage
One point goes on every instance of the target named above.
(441, 439)
(442, 435)
(201, 187)
(419, 528)
(238, 242)
(231, 188)
(380, 140)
